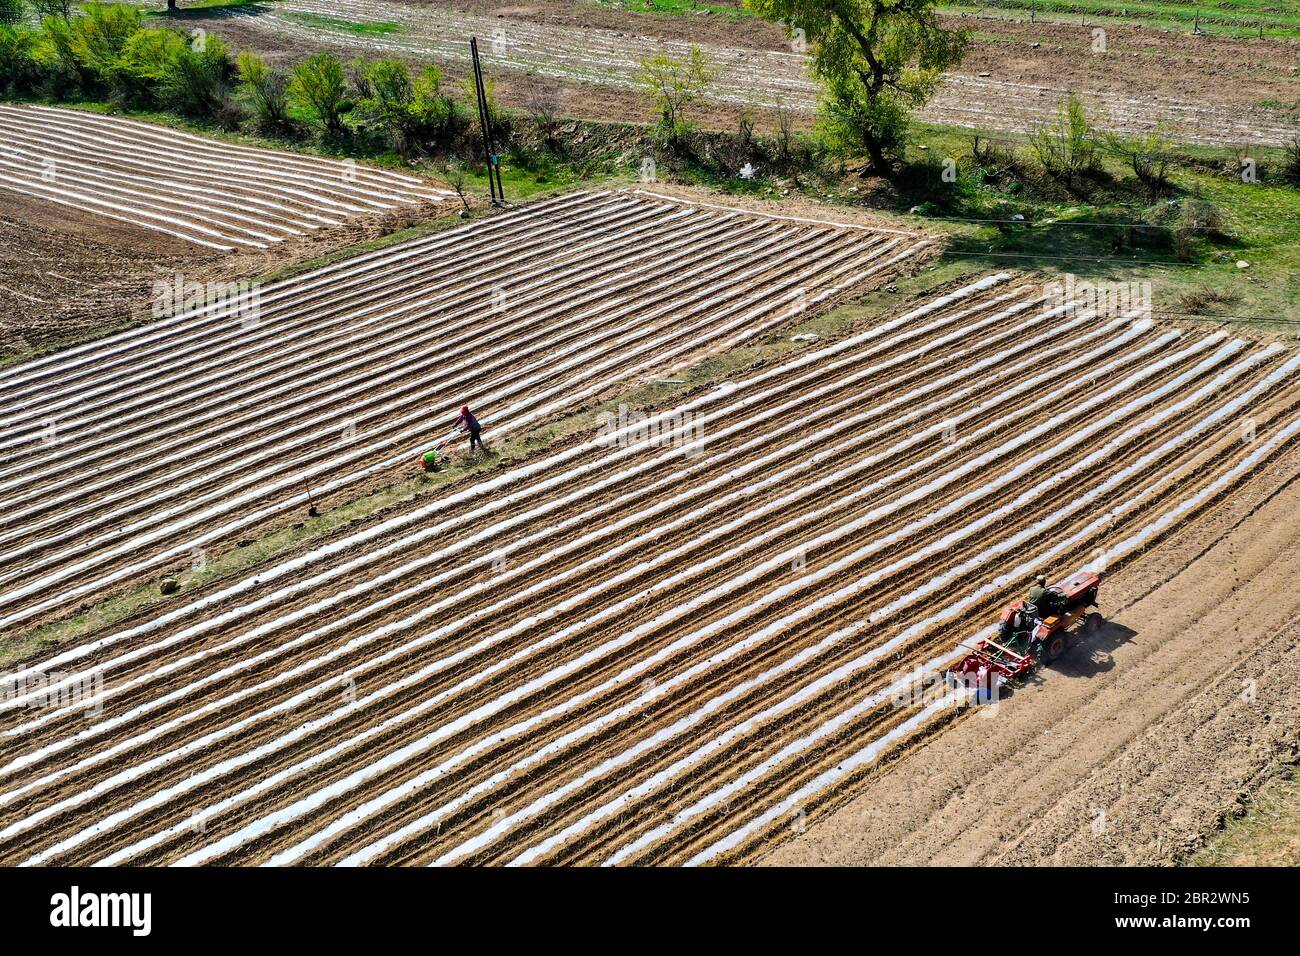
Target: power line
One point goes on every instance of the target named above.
(1066, 222)
(1066, 258)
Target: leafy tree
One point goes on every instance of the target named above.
(675, 86)
(11, 12)
(66, 72)
(410, 113)
(145, 59)
(879, 61)
(318, 86)
(196, 81)
(19, 67)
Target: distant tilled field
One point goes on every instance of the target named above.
(215, 195)
(660, 643)
(123, 456)
(750, 77)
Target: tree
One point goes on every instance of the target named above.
(18, 63)
(879, 61)
(52, 8)
(100, 35)
(318, 86)
(675, 85)
(11, 12)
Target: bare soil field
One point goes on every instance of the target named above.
(670, 641)
(1205, 90)
(138, 451)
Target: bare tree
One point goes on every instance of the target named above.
(543, 106)
(456, 180)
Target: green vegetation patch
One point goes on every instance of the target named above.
(360, 27)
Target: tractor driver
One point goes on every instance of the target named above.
(1046, 601)
(1037, 592)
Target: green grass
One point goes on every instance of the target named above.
(1261, 226)
(677, 7)
(1267, 833)
(359, 27)
(1097, 237)
(1227, 17)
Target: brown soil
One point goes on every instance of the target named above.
(1136, 745)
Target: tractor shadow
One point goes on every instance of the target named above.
(1092, 650)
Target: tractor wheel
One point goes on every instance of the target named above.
(1054, 646)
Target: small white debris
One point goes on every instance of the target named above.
(1243, 264)
(805, 337)
(747, 171)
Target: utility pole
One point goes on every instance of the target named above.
(485, 121)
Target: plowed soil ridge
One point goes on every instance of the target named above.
(212, 194)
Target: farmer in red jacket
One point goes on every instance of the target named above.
(468, 423)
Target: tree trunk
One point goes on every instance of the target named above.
(879, 164)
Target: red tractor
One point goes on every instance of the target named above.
(1029, 635)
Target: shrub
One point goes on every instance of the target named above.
(440, 116)
(99, 37)
(196, 79)
(1291, 160)
(675, 86)
(64, 72)
(410, 114)
(266, 90)
(1148, 156)
(1067, 147)
(144, 61)
(543, 106)
(318, 86)
(1186, 222)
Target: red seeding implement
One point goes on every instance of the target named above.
(1029, 635)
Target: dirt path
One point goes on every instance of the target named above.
(1132, 749)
